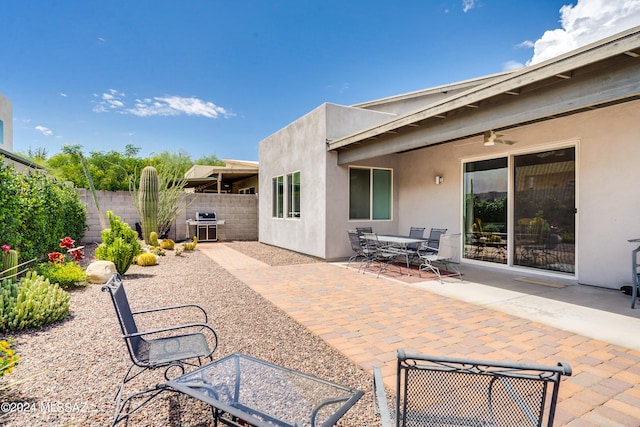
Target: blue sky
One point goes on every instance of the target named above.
(216, 77)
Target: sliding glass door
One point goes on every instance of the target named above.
(485, 210)
(544, 210)
(540, 232)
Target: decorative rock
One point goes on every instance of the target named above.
(100, 271)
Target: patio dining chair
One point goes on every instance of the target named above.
(361, 251)
(418, 233)
(447, 391)
(433, 241)
(168, 347)
(380, 253)
(361, 230)
(445, 254)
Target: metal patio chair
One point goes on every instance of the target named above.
(447, 391)
(380, 253)
(361, 230)
(433, 241)
(446, 254)
(361, 251)
(169, 347)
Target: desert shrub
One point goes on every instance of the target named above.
(66, 275)
(120, 244)
(32, 302)
(36, 209)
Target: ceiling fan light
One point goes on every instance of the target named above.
(489, 138)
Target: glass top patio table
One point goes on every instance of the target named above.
(264, 394)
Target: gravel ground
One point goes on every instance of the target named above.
(70, 370)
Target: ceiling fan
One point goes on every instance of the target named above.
(490, 138)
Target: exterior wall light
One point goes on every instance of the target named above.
(439, 179)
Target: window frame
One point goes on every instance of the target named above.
(277, 199)
(372, 194)
(293, 201)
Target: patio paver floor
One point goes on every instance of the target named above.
(367, 319)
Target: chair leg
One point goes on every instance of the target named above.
(431, 267)
(122, 414)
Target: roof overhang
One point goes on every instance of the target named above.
(597, 75)
(19, 159)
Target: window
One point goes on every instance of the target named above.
(293, 195)
(250, 190)
(370, 194)
(278, 197)
(1, 132)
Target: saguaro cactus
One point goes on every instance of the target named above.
(148, 197)
(9, 266)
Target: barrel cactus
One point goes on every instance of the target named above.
(146, 259)
(148, 196)
(167, 244)
(153, 237)
(190, 246)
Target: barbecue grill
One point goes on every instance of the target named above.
(206, 224)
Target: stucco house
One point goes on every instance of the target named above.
(536, 168)
(6, 139)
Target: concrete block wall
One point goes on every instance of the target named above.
(119, 202)
(239, 211)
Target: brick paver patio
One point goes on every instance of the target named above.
(367, 319)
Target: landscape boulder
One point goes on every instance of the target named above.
(100, 271)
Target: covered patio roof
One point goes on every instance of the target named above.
(595, 76)
(204, 177)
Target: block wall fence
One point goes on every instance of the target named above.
(239, 212)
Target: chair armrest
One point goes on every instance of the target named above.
(174, 307)
(380, 404)
(424, 248)
(169, 329)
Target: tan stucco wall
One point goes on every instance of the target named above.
(607, 194)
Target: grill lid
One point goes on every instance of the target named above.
(206, 215)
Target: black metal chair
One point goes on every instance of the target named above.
(361, 230)
(433, 241)
(361, 252)
(165, 348)
(447, 391)
(379, 252)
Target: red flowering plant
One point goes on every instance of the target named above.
(58, 270)
(70, 245)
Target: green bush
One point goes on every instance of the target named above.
(66, 275)
(32, 302)
(36, 209)
(120, 244)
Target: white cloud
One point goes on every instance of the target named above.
(584, 23)
(467, 5)
(115, 101)
(512, 65)
(45, 131)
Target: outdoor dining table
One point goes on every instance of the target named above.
(243, 390)
(401, 243)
